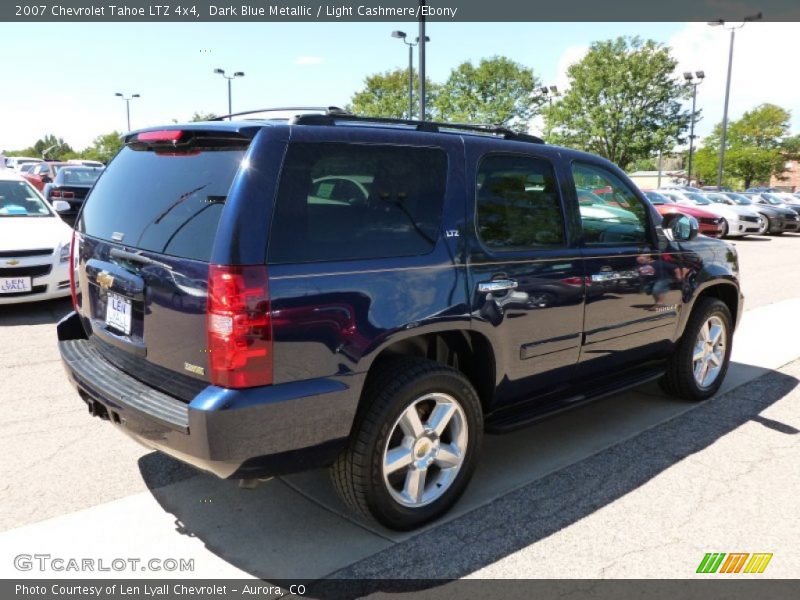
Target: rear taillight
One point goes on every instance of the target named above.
(66, 194)
(55, 193)
(239, 326)
(73, 257)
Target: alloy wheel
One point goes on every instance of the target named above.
(425, 450)
(709, 352)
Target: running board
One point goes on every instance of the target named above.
(517, 418)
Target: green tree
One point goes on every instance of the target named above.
(757, 147)
(386, 95)
(201, 116)
(104, 147)
(497, 91)
(623, 102)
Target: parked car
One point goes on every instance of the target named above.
(759, 190)
(733, 223)
(776, 200)
(746, 213)
(779, 219)
(380, 338)
(15, 162)
(34, 244)
(715, 188)
(710, 224)
(40, 174)
(71, 184)
(85, 162)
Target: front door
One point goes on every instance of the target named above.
(633, 293)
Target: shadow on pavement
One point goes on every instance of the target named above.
(275, 530)
(34, 313)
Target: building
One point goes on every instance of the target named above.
(649, 180)
(789, 180)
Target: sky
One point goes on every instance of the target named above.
(61, 78)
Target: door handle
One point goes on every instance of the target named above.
(496, 285)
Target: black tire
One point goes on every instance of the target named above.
(679, 379)
(725, 229)
(776, 233)
(394, 386)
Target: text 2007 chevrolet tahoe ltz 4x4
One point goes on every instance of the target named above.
(257, 297)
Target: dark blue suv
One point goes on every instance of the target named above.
(257, 297)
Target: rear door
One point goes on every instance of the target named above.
(525, 274)
(145, 239)
(633, 290)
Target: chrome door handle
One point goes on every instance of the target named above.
(496, 285)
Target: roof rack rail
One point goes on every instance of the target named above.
(326, 110)
(331, 118)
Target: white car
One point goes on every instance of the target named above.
(742, 211)
(15, 162)
(734, 225)
(85, 163)
(34, 244)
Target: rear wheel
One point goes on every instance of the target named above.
(698, 367)
(414, 446)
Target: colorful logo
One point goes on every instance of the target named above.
(735, 562)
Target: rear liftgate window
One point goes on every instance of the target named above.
(346, 201)
(165, 201)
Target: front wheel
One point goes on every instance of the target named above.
(698, 367)
(763, 224)
(414, 446)
(725, 229)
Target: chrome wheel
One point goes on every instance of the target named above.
(709, 352)
(425, 450)
(763, 224)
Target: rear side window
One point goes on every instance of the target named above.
(346, 201)
(169, 203)
(517, 202)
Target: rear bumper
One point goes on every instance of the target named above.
(255, 432)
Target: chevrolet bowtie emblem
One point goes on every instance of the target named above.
(13, 262)
(105, 280)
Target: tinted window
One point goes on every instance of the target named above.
(517, 204)
(346, 201)
(78, 175)
(165, 203)
(610, 211)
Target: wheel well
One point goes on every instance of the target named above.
(727, 293)
(466, 351)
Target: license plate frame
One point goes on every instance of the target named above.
(15, 285)
(119, 311)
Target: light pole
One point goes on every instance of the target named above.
(401, 35)
(549, 92)
(229, 78)
(690, 80)
(128, 105)
(732, 29)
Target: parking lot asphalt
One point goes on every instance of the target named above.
(635, 485)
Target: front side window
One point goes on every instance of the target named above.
(517, 204)
(610, 212)
(341, 201)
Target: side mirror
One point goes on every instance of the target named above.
(60, 206)
(682, 228)
(46, 178)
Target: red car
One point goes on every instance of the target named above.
(42, 174)
(710, 224)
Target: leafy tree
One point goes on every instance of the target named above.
(623, 102)
(757, 147)
(104, 147)
(202, 116)
(386, 95)
(497, 91)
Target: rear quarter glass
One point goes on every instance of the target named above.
(168, 203)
